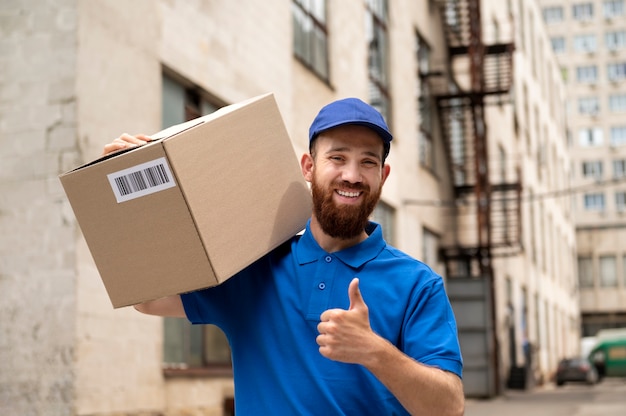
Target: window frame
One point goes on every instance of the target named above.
(594, 202)
(376, 12)
(617, 102)
(425, 106)
(612, 8)
(583, 11)
(585, 272)
(553, 14)
(587, 74)
(618, 135)
(585, 43)
(310, 16)
(186, 346)
(592, 169)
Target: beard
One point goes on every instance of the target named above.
(344, 221)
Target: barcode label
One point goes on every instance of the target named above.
(140, 180)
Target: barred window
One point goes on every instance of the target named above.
(425, 105)
(377, 44)
(310, 36)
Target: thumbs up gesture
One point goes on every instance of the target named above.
(346, 335)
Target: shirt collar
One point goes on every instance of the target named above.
(308, 250)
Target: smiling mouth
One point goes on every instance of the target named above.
(349, 194)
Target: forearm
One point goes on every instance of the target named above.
(421, 389)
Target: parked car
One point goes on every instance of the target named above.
(576, 369)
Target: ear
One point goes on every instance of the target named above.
(385, 173)
(306, 164)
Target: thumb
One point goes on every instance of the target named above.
(354, 293)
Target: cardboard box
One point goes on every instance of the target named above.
(194, 207)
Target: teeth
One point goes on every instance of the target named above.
(348, 194)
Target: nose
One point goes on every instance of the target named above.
(351, 173)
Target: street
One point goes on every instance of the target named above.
(607, 398)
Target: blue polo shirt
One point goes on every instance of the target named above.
(270, 311)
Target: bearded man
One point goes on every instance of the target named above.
(335, 321)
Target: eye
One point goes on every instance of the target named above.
(370, 163)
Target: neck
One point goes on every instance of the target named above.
(333, 244)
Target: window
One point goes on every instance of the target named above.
(425, 104)
(385, 215)
(594, 202)
(376, 32)
(430, 248)
(310, 39)
(608, 272)
(585, 272)
(617, 71)
(624, 270)
(620, 201)
(619, 168)
(592, 169)
(553, 14)
(186, 345)
(613, 8)
(582, 11)
(587, 74)
(588, 105)
(558, 44)
(618, 135)
(585, 43)
(615, 40)
(617, 102)
(590, 137)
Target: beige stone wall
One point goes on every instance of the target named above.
(38, 120)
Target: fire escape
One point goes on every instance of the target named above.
(478, 75)
(487, 205)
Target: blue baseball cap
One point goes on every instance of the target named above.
(350, 111)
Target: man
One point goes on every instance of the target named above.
(334, 322)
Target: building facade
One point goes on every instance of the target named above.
(589, 39)
(79, 73)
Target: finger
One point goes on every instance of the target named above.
(354, 293)
(138, 139)
(113, 147)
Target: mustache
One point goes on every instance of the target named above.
(351, 186)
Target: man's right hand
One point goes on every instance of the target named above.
(125, 141)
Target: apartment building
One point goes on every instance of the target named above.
(476, 160)
(589, 40)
